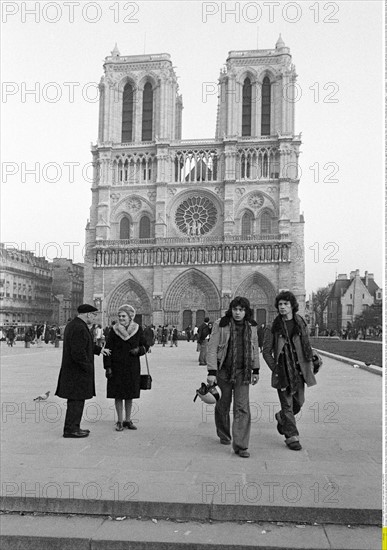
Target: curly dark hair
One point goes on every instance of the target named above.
(287, 296)
(242, 302)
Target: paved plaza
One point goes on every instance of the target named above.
(173, 466)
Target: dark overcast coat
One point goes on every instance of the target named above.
(76, 377)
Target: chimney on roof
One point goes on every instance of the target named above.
(342, 277)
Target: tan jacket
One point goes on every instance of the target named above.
(218, 345)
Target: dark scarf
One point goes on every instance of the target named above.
(289, 375)
(233, 351)
(299, 328)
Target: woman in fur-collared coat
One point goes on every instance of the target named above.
(127, 343)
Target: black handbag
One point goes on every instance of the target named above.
(146, 379)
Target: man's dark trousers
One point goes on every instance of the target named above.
(73, 415)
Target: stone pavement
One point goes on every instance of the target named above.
(173, 466)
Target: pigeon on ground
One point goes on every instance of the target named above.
(42, 397)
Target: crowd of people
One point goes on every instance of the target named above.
(230, 348)
(33, 334)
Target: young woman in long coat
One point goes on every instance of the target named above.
(127, 343)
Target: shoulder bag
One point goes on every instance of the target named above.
(146, 379)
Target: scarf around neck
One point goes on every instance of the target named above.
(126, 333)
(299, 328)
(233, 350)
(289, 376)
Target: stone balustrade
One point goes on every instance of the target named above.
(203, 239)
(190, 254)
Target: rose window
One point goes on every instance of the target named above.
(256, 200)
(196, 216)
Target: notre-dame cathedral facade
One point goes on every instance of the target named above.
(179, 227)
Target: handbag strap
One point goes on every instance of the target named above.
(146, 360)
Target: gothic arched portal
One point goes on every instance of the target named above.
(191, 291)
(130, 292)
(261, 294)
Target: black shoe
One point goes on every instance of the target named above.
(76, 435)
(84, 431)
(225, 441)
(279, 426)
(243, 453)
(294, 446)
(129, 424)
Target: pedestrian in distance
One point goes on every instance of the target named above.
(261, 335)
(126, 342)
(99, 335)
(164, 335)
(149, 337)
(203, 337)
(195, 334)
(288, 353)
(76, 381)
(174, 336)
(233, 364)
(11, 336)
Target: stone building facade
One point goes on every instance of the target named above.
(67, 288)
(25, 288)
(179, 227)
(349, 297)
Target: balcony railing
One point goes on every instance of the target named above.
(188, 252)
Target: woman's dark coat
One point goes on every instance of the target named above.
(126, 368)
(76, 377)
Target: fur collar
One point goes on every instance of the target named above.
(126, 333)
(226, 321)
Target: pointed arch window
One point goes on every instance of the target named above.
(127, 114)
(266, 224)
(147, 112)
(125, 228)
(246, 108)
(145, 229)
(247, 224)
(266, 106)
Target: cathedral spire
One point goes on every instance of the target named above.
(116, 51)
(280, 43)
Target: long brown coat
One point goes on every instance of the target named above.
(76, 377)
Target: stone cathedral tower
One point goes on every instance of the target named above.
(179, 227)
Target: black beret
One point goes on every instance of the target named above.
(86, 308)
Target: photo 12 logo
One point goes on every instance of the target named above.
(90, 490)
(70, 12)
(270, 12)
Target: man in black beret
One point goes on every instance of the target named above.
(76, 378)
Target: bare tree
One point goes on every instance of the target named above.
(319, 304)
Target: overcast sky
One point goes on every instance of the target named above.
(52, 61)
